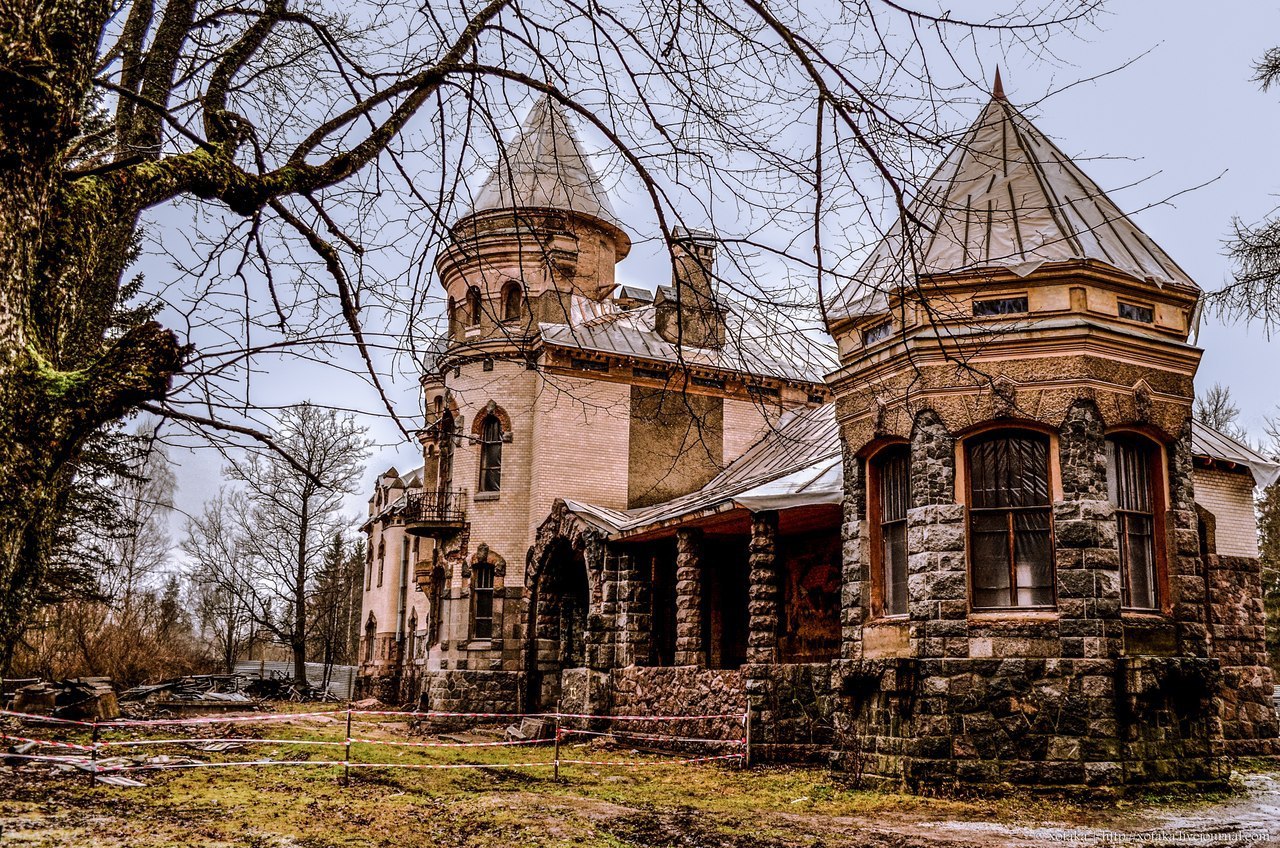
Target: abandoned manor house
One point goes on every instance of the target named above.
(978, 541)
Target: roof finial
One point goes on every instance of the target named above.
(997, 87)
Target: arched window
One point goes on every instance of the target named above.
(890, 497)
(1133, 485)
(1010, 537)
(411, 637)
(473, 306)
(368, 569)
(382, 559)
(452, 314)
(370, 635)
(435, 615)
(482, 601)
(491, 455)
(511, 297)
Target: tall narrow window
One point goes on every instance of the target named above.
(382, 559)
(473, 306)
(1131, 484)
(452, 314)
(482, 601)
(491, 455)
(1010, 539)
(411, 637)
(435, 615)
(891, 482)
(370, 634)
(511, 297)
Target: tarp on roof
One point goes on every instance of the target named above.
(820, 483)
(1214, 444)
(1005, 197)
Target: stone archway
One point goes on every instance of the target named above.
(564, 624)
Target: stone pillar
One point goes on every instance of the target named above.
(635, 618)
(937, 582)
(1186, 572)
(853, 556)
(763, 591)
(1086, 552)
(690, 644)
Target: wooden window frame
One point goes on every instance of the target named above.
(1157, 461)
(875, 527)
(990, 434)
(483, 575)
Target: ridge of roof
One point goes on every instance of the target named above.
(546, 168)
(1005, 196)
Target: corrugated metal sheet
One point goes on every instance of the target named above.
(342, 678)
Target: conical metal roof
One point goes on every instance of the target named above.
(545, 168)
(1005, 197)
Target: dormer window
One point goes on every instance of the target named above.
(1136, 312)
(994, 307)
(877, 333)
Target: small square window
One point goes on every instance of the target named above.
(878, 333)
(1000, 306)
(1134, 312)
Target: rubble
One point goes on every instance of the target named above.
(194, 695)
(82, 698)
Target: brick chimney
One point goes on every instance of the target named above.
(687, 312)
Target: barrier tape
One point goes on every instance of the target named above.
(108, 769)
(107, 725)
(438, 714)
(448, 744)
(450, 765)
(639, 763)
(738, 716)
(50, 758)
(569, 731)
(51, 743)
(133, 743)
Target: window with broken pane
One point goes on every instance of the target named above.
(1131, 485)
(891, 468)
(1010, 526)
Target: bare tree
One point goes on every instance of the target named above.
(1216, 409)
(270, 537)
(335, 604)
(220, 564)
(309, 156)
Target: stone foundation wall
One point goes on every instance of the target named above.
(1237, 624)
(472, 691)
(680, 690)
(792, 710)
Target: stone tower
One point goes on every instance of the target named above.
(1028, 592)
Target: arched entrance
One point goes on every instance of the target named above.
(562, 597)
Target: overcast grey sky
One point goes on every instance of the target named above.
(1184, 114)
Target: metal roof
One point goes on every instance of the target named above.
(798, 463)
(804, 446)
(1005, 197)
(1213, 444)
(546, 168)
(753, 344)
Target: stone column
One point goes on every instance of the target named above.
(853, 556)
(635, 620)
(937, 582)
(690, 644)
(763, 591)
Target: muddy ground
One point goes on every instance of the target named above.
(636, 804)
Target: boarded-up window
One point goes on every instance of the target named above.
(482, 601)
(891, 468)
(1131, 486)
(1010, 540)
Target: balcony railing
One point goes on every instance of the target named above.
(435, 510)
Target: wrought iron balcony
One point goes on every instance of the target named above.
(435, 512)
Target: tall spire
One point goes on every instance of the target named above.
(997, 87)
(545, 168)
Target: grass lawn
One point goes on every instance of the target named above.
(713, 804)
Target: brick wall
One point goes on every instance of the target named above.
(1229, 496)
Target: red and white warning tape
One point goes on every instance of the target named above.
(449, 744)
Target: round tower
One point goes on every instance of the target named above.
(539, 245)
